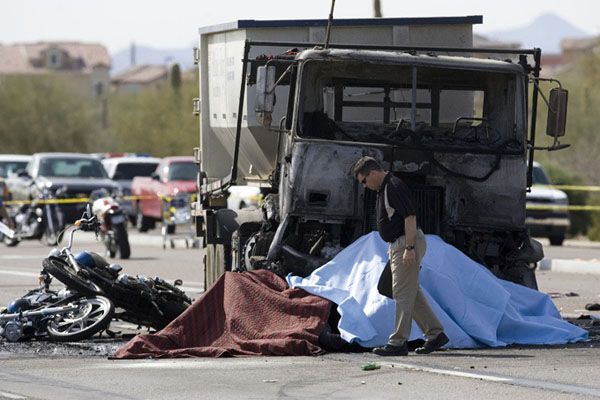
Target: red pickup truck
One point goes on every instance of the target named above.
(173, 180)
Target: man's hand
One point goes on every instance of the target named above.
(409, 258)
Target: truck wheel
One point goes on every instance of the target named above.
(209, 255)
(557, 240)
(214, 264)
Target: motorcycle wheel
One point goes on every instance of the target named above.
(8, 242)
(51, 238)
(93, 315)
(122, 240)
(65, 273)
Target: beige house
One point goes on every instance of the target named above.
(86, 64)
(141, 77)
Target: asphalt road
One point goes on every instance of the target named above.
(47, 371)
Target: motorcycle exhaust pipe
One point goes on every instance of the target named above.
(39, 313)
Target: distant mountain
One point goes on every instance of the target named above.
(121, 60)
(546, 32)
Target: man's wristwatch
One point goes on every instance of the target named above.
(409, 248)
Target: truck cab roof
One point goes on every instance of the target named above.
(400, 57)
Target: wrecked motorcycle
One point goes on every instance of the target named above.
(40, 220)
(113, 230)
(141, 300)
(62, 316)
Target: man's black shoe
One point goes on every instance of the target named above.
(433, 344)
(391, 350)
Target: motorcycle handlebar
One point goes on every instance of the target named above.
(88, 225)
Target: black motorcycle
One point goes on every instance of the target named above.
(61, 316)
(40, 220)
(150, 302)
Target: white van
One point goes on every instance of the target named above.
(550, 223)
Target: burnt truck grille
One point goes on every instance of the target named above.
(429, 204)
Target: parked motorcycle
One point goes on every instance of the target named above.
(113, 229)
(150, 302)
(41, 220)
(62, 316)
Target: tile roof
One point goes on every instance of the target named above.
(142, 74)
(20, 58)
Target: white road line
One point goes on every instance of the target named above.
(523, 382)
(11, 396)
(191, 289)
(24, 257)
(19, 273)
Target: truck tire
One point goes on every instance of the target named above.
(557, 240)
(209, 255)
(214, 264)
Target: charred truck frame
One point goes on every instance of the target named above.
(454, 127)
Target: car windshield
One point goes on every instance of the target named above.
(540, 177)
(10, 167)
(127, 171)
(72, 168)
(182, 171)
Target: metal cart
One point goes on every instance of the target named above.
(177, 220)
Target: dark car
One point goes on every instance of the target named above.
(64, 175)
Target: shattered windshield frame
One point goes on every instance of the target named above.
(427, 107)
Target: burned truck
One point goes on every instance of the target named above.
(454, 127)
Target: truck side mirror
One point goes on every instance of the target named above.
(557, 112)
(265, 94)
(21, 173)
(155, 176)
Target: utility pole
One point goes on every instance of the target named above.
(377, 8)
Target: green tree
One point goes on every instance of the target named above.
(46, 113)
(157, 121)
(175, 76)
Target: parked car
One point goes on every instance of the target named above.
(174, 179)
(122, 170)
(74, 175)
(9, 165)
(550, 223)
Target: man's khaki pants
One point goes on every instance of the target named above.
(410, 301)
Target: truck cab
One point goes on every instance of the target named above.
(453, 127)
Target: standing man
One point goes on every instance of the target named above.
(397, 225)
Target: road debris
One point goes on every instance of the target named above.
(370, 366)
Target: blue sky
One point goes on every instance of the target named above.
(174, 23)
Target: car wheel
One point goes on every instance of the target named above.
(557, 240)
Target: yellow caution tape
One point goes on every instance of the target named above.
(584, 188)
(86, 199)
(562, 208)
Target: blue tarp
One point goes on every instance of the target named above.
(476, 308)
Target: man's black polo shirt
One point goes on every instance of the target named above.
(400, 205)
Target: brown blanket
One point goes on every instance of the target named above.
(250, 313)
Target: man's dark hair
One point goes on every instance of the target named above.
(364, 165)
